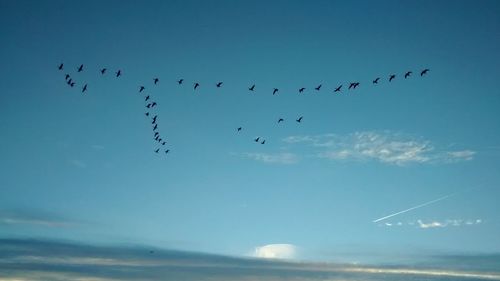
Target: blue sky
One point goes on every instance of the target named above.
(82, 167)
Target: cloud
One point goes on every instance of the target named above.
(436, 224)
(275, 251)
(34, 218)
(383, 146)
(278, 158)
(37, 260)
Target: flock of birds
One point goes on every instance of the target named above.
(151, 104)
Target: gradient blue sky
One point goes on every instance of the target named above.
(82, 167)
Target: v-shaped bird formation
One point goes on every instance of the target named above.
(151, 105)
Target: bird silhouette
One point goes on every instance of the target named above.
(263, 142)
(407, 74)
(66, 77)
(160, 139)
(196, 85)
(338, 89)
(147, 113)
(141, 88)
(219, 84)
(154, 118)
(318, 88)
(257, 139)
(157, 138)
(157, 134)
(300, 119)
(163, 143)
(147, 98)
(80, 68)
(280, 120)
(156, 80)
(61, 66)
(356, 85)
(301, 90)
(103, 71)
(153, 104)
(252, 88)
(180, 81)
(69, 81)
(148, 105)
(84, 88)
(118, 73)
(423, 72)
(157, 150)
(239, 129)
(155, 127)
(353, 85)
(376, 80)
(167, 151)
(275, 90)
(72, 84)
(391, 77)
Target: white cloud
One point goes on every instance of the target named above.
(383, 146)
(275, 251)
(436, 223)
(279, 158)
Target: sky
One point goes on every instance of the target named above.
(82, 167)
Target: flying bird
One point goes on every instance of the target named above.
(263, 142)
(148, 105)
(156, 80)
(141, 88)
(154, 118)
(180, 81)
(392, 77)
(84, 88)
(257, 139)
(153, 104)
(239, 129)
(155, 127)
(69, 81)
(338, 88)
(157, 134)
(407, 74)
(157, 150)
(301, 90)
(163, 143)
(300, 119)
(252, 88)
(66, 77)
(61, 66)
(275, 91)
(72, 84)
(318, 88)
(196, 85)
(147, 113)
(353, 85)
(219, 84)
(167, 151)
(103, 71)
(280, 120)
(118, 73)
(376, 80)
(80, 68)
(147, 98)
(424, 72)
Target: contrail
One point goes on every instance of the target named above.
(413, 208)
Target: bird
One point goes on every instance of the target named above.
(257, 139)
(196, 85)
(147, 98)
(61, 66)
(69, 81)
(300, 119)
(157, 134)
(118, 73)
(103, 71)
(141, 88)
(275, 90)
(155, 127)
(280, 120)
(167, 151)
(376, 80)
(163, 143)
(66, 77)
(157, 150)
(391, 77)
(156, 80)
(180, 81)
(157, 138)
(154, 118)
(338, 88)
(407, 74)
(72, 84)
(356, 85)
(263, 142)
(353, 85)
(148, 105)
(153, 104)
(147, 113)
(160, 139)
(239, 129)
(80, 68)
(301, 90)
(318, 88)
(219, 84)
(84, 88)
(252, 88)
(423, 72)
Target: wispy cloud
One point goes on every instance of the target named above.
(275, 251)
(383, 146)
(33, 218)
(278, 158)
(426, 224)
